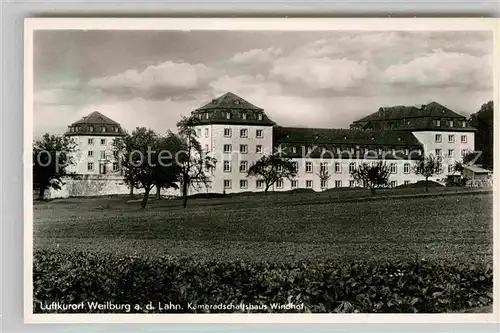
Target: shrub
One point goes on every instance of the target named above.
(368, 287)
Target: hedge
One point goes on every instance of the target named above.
(192, 286)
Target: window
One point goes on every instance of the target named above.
(198, 132)
(407, 152)
(227, 148)
(243, 133)
(438, 137)
(450, 168)
(393, 183)
(352, 183)
(228, 115)
(438, 152)
(294, 150)
(206, 132)
(90, 142)
(116, 129)
(103, 129)
(206, 115)
(406, 168)
(324, 183)
(206, 148)
(338, 168)
(103, 142)
(279, 183)
(259, 116)
(338, 183)
(323, 167)
(451, 123)
(394, 168)
(91, 128)
(227, 132)
(258, 149)
(243, 183)
(309, 167)
(227, 183)
(294, 183)
(464, 151)
(258, 133)
(451, 152)
(115, 167)
(243, 166)
(295, 166)
(438, 123)
(90, 166)
(103, 155)
(244, 116)
(309, 183)
(243, 149)
(352, 167)
(90, 153)
(260, 183)
(406, 182)
(463, 138)
(464, 124)
(451, 138)
(227, 166)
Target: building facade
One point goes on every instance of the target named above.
(237, 134)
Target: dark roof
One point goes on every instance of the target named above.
(96, 118)
(431, 110)
(93, 124)
(241, 112)
(229, 101)
(323, 136)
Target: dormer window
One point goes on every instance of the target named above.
(91, 129)
(116, 129)
(236, 102)
(451, 123)
(244, 116)
(206, 115)
(260, 116)
(228, 115)
(438, 123)
(103, 129)
(464, 124)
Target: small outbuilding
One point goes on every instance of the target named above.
(477, 176)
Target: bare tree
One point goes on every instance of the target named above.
(427, 166)
(372, 176)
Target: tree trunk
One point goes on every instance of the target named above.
(184, 194)
(426, 184)
(131, 191)
(158, 192)
(145, 198)
(41, 192)
(372, 190)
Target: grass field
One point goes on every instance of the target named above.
(449, 225)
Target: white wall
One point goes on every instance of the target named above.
(82, 158)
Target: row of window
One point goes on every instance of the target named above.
(451, 152)
(91, 142)
(90, 167)
(103, 129)
(353, 150)
(90, 153)
(451, 138)
(243, 149)
(228, 115)
(323, 167)
(451, 123)
(260, 184)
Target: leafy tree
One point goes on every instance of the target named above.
(469, 158)
(483, 122)
(146, 161)
(52, 154)
(372, 176)
(271, 168)
(427, 166)
(192, 161)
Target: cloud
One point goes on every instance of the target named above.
(442, 69)
(321, 73)
(260, 56)
(166, 80)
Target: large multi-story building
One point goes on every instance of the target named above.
(94, 135)
(237, 134)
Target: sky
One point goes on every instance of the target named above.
(323, 79)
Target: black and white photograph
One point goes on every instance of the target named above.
(256, 167)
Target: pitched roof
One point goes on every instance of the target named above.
(96, 118)
(312, 136)
(229, 101)
(476, 169)
(431, 110)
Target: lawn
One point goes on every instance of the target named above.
(449, 225)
